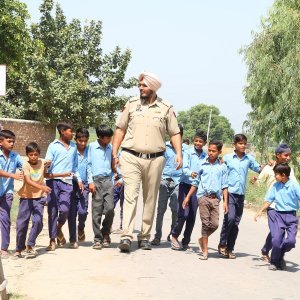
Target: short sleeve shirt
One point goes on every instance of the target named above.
(36, 173)
(146, 125)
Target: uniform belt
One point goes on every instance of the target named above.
(214, 195)
(144, 155)
(169, 179)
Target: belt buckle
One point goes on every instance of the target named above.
(144, 155)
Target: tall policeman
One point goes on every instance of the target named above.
(141, 131)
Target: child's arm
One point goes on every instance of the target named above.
(17, 176)
(53, 175)
(44, 188)
(225, 200)
(188, 196)
(265, 206)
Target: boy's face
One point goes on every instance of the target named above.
(240, 146)
(81, 143)
(283, 157)
(67, 134)
(105, 140)
(199, 143)
(280, 177)
(213, 152)
(33, 157)
(7, 144)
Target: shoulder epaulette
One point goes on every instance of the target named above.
(135, 98)
(166, 103)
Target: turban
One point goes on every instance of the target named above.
(151, 80)
(283, 148)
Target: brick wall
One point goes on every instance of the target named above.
(29, 131)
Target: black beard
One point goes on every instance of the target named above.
(146, 98)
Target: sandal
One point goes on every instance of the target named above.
(106, 241)
(203, 256)
(51, 247)
(60, 238)
(16, 256)
(97, 246)
(4, 255)
(31, 254)
(223, 251)
(155, 241)
(175, 244)
(73, 245)
(231, 255)
(265, 257)
(81, 235)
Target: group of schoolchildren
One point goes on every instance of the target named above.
(73, 170)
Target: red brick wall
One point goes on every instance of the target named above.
(29, 131)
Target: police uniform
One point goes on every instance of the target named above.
(142, 161)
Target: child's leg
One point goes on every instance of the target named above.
(73, 213)
(52, 209)
(121, 205)
(97, 211)
(289, 242)
(174, 205)
(83, 208)
(182, 214)
(108, 206)
(5, 206)
(190, 222)
(233, 233)
(64, 199)
(161, 207)
(117, 190)
(37, 221)
(205, 220)
(25, 211)
(268, 243)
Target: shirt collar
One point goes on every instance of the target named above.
(202, 155)
(217, 162)
(244, 157)
(11, 154)
(60, 142)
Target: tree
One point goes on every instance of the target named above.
(198, 117)
(273, 89)
(66, 74)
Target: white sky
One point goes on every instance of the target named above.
(191, 45)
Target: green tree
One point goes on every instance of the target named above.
(66, 75)
(273, 89)
(198, 117)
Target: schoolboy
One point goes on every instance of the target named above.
(62, 154)
(285, 193)
(211, 185)
(238, 164)
(101, 185)
(32, 198)
(10, 161)
(267, 176)
(79, 197)
(168, 190)
(191, 162)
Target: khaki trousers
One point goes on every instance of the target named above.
(135, 171)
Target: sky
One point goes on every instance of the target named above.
(192, 46)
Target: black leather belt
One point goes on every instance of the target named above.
(144, 155)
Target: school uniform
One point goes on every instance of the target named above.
(100, 173)
(11, 164)
(191, 163)
(31, 205)
(168, 189)
(79, 199)
(237, 176)
(286, 197)
(267, 176)
(212, 179)
(63, 160)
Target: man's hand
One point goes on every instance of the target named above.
(115, 163)
(47, 164)
(178, 162)
(92, 188)
(225, 208)
(18, 176)
(253, 179)
(194, 175)
(185, 202)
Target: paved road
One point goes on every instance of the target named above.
(158, 274)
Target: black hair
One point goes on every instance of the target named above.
(104, 130)
(81, 133)
(200, 134)
(186, 141)
(282, 168)
(217, 143)
(63, 125)
(239, 138)
(181, 129)
(32, 147)
(7, 134)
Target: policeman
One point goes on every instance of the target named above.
(141, 131)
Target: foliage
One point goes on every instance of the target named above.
(273, 85)
(66, 74)
(198, 117)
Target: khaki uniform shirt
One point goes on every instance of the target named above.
(146, 125)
